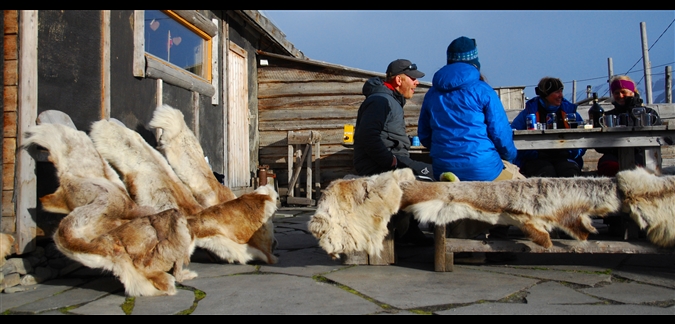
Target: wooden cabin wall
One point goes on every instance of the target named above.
(69, 64)
(304, 97)
(132, 99)
(8, 66)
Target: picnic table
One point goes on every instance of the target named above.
(626, 140)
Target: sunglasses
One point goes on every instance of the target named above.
(411, 67)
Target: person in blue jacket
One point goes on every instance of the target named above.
(462, 120)
(463, 123)
(561, 163)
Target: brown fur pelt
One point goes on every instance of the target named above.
(6, 242)
(185, 155)
(237, 230)
(650, 200)
(149, 178)
(535, 205)
(352, 215)
(104, 227)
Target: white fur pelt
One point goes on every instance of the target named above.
(186, 156)
(237, 230)
(535, 205)
(650, 200)
(149, 178)
(104, 228)
(352, 215)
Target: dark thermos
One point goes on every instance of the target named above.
(595, 112)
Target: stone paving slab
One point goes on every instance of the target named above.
(164, 305)
(39, 292)
(553, 293)
(587, 279)
(87, 292)
(208, 269)
(408, 288)
(277, 294)
(305, 262)
(664, 278)
(108, 305)
(604, 261)
(302, 227)
(295, 241)
(525, 309)
(632, 293)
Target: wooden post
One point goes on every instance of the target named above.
(26, 182)
(443, 261)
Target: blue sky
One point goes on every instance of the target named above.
(515, 48)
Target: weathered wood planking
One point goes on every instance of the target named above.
(309, 96)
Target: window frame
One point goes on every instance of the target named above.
(146, 65)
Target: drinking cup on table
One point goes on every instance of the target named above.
(607, 121)
(623, 120)
(640, 114)
(572, 120)
(651, 120)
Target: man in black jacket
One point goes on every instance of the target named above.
(380, 140)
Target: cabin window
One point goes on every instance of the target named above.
(173, 39)
(178, 46)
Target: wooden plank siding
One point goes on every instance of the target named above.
(10, 102)
(303, 95)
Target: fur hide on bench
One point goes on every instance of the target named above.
(352, 215)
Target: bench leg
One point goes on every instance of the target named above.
(443, 261)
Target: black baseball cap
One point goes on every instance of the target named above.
(402, 66)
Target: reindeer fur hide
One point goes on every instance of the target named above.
(6, 242)
(185, 155)
(237, 230)
(104, 228)
(650, 200)
(352, 215)
(535, 205)
(149, 178)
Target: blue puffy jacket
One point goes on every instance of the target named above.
(463, 123)
(531, 107)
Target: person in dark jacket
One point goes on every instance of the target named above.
(380, 140)
(625, 97)
(549, 163)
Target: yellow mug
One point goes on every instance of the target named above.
(348, 134)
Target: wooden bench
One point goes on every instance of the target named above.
(631, 243)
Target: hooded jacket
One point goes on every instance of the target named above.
(379, 132)
(463, 123)
(533, 106)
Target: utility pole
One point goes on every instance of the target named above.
(574, 91)
(646, 63)
(669, 84)
(610, 71)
